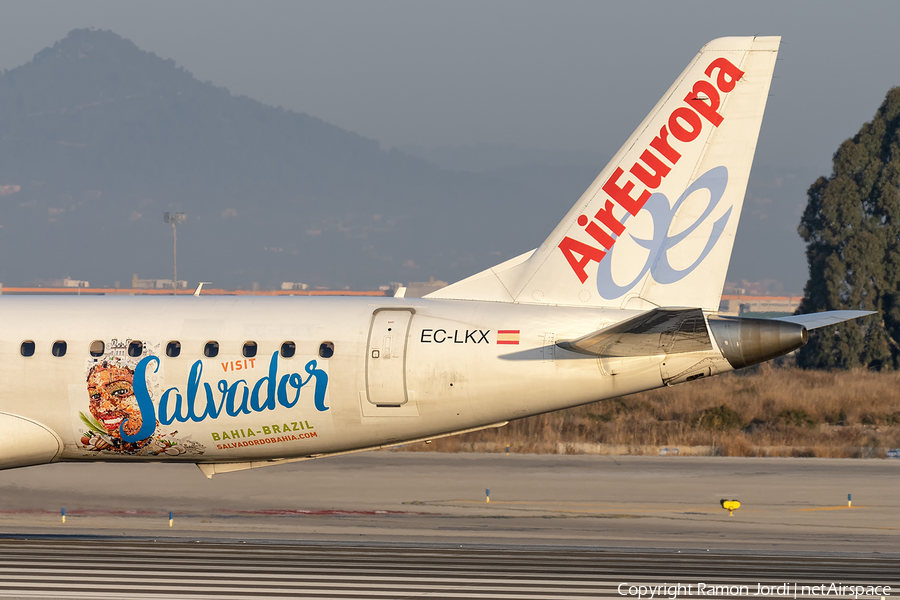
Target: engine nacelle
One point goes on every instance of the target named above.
(25, 442)
(746, 341)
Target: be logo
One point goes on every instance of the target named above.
(657, 264)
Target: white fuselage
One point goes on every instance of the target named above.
(401, 369)
(250, 380)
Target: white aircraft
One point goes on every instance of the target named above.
(621, 297)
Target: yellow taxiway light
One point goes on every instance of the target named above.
(730, 506)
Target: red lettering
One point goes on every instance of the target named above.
(695, 99)
(688, 116)
(600, 235)
(225, 366)
(605, 216)
(684, 124)
(661, 144)
(238, 366)
(572, 247)
(622, 195)
(728, 76)
(660, 170)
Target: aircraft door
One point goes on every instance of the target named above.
(386, 357)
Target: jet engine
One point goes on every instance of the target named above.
(746, 341)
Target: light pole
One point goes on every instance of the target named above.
(174, 219)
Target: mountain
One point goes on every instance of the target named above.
(99, 138)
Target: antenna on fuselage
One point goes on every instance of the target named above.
(200, 287)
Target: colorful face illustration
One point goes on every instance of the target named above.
(112, 399)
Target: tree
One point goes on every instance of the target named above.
(851, 226)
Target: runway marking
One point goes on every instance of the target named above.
(827, 508)
(103, 512)
(540, 503)
(188, 568)
(526, 505)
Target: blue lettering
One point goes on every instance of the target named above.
(175, 407)
(164, 417)
(211, 409)
(230, 409)
(321, 384)
(296, 383)
(192, 387)
(145, 403)
(271, 378)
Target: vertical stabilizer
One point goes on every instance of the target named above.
(656, 227)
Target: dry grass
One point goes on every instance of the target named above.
(769, 411)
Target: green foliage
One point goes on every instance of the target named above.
(851, 226)
(92, 423)
(721, 418)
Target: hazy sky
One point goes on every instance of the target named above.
(569, 79)
(573, 76)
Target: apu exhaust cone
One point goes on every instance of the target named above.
(745, 341)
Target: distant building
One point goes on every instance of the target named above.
(733, 304)
(766, 287)
(295, 286)
(417, 289)
(391, 288)
(764, 298)
(75, 283)
(64, 282)
(155, 284)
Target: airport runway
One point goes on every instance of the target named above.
(115, 568)
(587, 501)
(408, 525)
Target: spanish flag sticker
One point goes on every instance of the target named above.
(508, 336)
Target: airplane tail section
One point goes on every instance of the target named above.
(656, 227)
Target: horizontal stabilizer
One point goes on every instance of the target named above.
(824, 319)
(659, 331)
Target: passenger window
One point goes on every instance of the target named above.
(59, 348)
(326, 349)
(211, 349)
(135, 348)
(27, 348)
(97, 348)
(288, 349)
(249, 350)
(173, 349)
